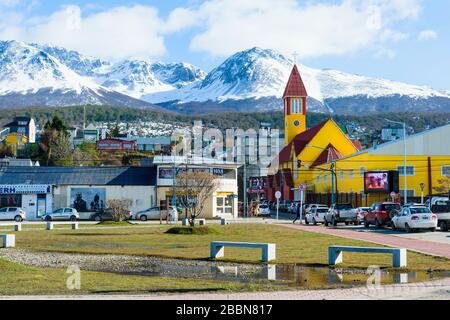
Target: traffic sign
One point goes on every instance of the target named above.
(302, 187)
(278, 195)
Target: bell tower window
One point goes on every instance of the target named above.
(297, 106)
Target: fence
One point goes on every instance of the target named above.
(356, 199)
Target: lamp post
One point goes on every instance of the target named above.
(405, 189)
(332, 170)
(422, 188)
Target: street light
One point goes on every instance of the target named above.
(334, 179)
(405, 189)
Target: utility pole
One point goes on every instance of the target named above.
(245, 191)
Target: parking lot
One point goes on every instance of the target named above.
(438, 237)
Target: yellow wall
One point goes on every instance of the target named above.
(15, 138)
(290, 129)
(367, 162)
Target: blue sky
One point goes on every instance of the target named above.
(402, 40)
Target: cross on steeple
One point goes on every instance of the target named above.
(295, 55)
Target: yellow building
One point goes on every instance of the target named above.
(428, 161)
(305, 150)
(16, 138)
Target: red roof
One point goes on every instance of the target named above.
(299, 142)
(295, 86)
(327, 156)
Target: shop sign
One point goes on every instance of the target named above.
(25, 189)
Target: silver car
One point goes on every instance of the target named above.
(12, 213)
(155, 213)
(64, 214)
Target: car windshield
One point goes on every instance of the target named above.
(344, 206)
(322, 210)
(420, 210)
(264, 206)
(390, 207)
(364, 209)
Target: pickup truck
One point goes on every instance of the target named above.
(440, 206)
(342, 212)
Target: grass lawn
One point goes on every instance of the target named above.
(293, 246)
(17, 279)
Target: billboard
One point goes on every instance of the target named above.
(257, 185)
(381, 182)
(88, 199)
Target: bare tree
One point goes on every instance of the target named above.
(193, 189)
(119, 208)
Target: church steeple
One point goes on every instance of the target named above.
(294, 98)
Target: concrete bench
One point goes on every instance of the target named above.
(201, 222)
(17, 226)
(399, 255)
(268, 249)
(7, 240)
(51, 225)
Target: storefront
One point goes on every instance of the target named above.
(35, 200)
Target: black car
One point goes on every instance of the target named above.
(106, 216)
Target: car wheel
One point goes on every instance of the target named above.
(306, 221)
(394, 228)
(48, 218)
(347, 223)
(378, 224)
(18, 219)
(73, 218)
(356, 223)
(334, 222)
(143, 217)
(325, 222)
(366, 223)
(444, 226)
(433, 229)
(98, 218)
(408, 228)
(314, 221)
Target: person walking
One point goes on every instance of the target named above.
(297, 217)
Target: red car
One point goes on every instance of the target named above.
(381, 213)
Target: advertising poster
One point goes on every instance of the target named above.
(88, 199)
(377, 182)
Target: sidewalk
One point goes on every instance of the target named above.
(426, 247)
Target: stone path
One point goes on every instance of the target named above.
(422, 246)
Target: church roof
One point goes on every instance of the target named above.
(295, 86)
(327, 156)
(300, 142)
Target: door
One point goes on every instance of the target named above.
(403, 218)
(67, 213)
(41, 206)
(57, 215)
(12, 212)
(3, 212)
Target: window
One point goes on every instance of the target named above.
(446, 171)
(318, 179)
(342, 174)
(411, 193)
(224, 205)
(13, 200)
(296, 106)
(351, 173)
(362, 171)
(410, 170)
(325, 179)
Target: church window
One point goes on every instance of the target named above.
(296, 106)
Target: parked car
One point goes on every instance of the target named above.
(12, 213)
(414, 218)
(362, 211)
(293, 207)
(381, 213)
(155, 214)
(310, 207)
(341, 212)
(316, 215)
(65, 214)
(440, 206)
(108, 216)
(264, 210)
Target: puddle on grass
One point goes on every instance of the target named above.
(283, 275)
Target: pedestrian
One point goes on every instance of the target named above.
(297, 217)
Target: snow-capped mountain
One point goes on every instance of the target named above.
(30, 76)
(251, 80)
(257, 73)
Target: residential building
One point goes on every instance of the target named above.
(25, 126)
(40, 190)
(116, 145)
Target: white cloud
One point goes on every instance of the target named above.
(312, 29)
(117, 33)
(428, 35)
